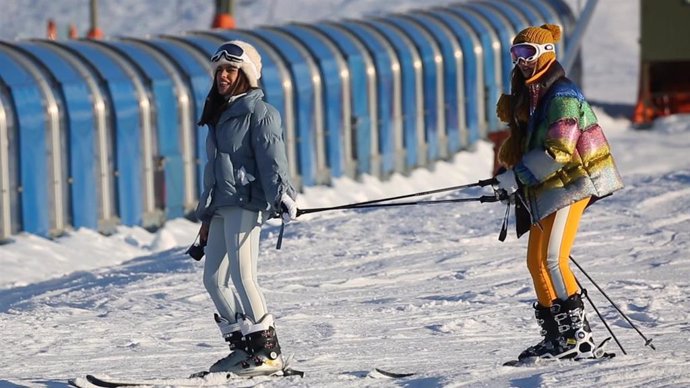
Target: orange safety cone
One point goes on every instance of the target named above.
(95, 33)
(52, 30)
(223, 21)
(72, 32)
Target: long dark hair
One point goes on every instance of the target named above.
(212, 106)
(216, 103)
(512, 148)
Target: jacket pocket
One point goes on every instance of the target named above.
(246, 180)
(225, 177)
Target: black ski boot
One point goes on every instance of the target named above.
(549, 330)
(575, 340)
(566, 332)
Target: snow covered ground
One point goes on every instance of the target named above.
(425, 289)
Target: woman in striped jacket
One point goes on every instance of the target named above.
(557, 162)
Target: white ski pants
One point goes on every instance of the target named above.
(232, 253)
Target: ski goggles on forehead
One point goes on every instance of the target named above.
(529, 52)
(230, 52)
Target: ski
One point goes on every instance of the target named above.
(393, 375)
(199, 379)
(536, 361)
(196, 380)
(102, 382)
(282, 373)
(76, 383)
(599, 352)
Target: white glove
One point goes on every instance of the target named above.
(288, 208)
(506, 182)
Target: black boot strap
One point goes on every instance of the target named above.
(263, 342)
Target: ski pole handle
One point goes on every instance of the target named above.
(488, 198)
(487, 182)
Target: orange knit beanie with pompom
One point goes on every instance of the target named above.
(547, 33)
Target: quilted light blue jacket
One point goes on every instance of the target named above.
(247, 161)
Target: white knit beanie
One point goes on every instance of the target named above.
(250, 64)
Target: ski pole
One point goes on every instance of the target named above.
(482, 199)
(601, 317)
(365, 204)
(648, 342)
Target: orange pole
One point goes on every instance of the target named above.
(644, 112)
(94, 31)
(224, 21)
(224, 18)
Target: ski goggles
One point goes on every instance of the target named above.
(230, 52)
(529, 52)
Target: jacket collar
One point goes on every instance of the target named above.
(241, 106)
(539, 86)
(552, 74)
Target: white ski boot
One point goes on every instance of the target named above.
(232, 333)
(262, 355)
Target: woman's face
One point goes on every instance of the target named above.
(226, 77)
(527, 68)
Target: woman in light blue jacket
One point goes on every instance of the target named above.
(245, 181)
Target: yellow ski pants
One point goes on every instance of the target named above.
(548, 253)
